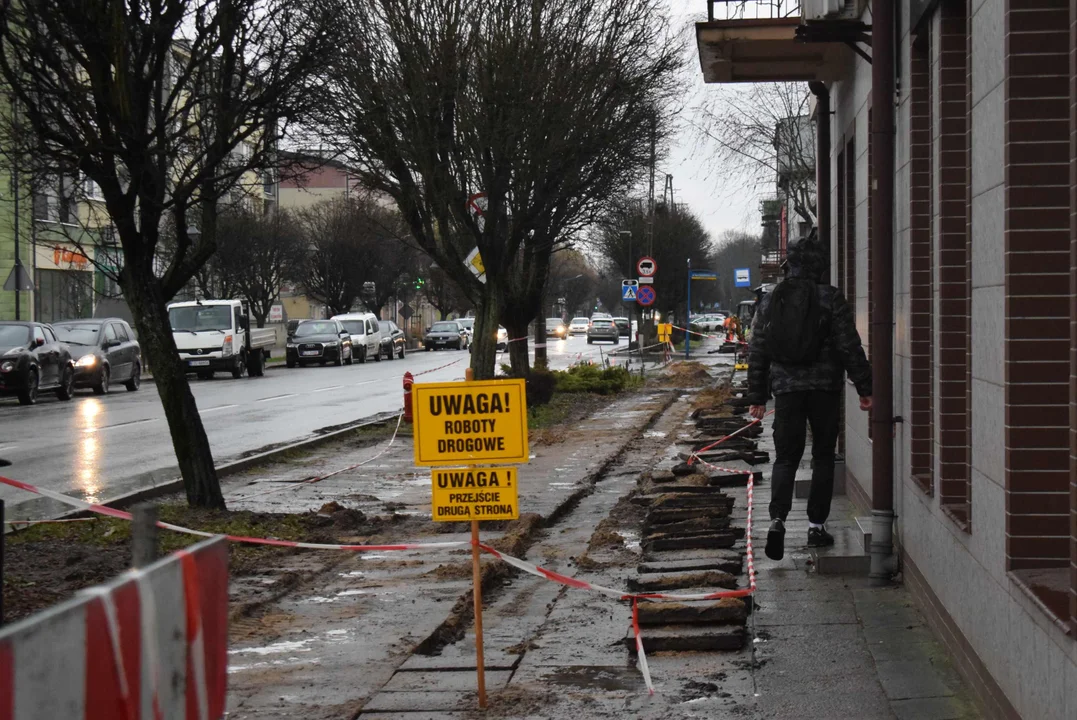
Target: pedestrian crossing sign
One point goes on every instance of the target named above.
(628, 292)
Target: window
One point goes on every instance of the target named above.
(38, 335)
(92, 189)
(49, 335)
(370, 327)
(374, 325)
(110, 333)
(121, 333)
(55, 201)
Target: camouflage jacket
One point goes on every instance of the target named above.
(842, 352)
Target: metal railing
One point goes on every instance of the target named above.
(772, 258)
(752, 9)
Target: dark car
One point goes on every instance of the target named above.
(445, 334)
(319, 341)
(602, 329)
(33, 360)
(104, 350)
(393, 342)
(624, 326)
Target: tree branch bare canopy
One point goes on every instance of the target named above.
(548, 107)
(762, 135)
(168, 106)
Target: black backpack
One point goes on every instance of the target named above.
(795, 322)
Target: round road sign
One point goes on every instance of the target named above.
(646, 267)
(645, 295)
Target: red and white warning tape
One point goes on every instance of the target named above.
(695, 455)
(113, 512)
(441, 367)
(693, 332)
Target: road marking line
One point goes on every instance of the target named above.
(276, 397)
(326, 389)
(215, 409)
(91, 430)
(367, 382)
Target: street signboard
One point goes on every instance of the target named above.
(665, 332)
(646, 281)
(646, 267)
(646, 296)
(628, 292)
(742, 277)
(276, 313)
(704, 275)
(470, 423)
(475, 494)
(474, 264)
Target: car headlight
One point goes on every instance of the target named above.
(7, 367)
(226, 348)
(87, 361)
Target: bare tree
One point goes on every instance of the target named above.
(167, 106)
(259, 254)
(334, 230)
(678, 236)
(736, 250)
(763, 135)
(546, 107)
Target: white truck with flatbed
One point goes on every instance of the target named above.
(216, 336)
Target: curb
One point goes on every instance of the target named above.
(123, 502)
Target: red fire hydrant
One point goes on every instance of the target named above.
(408, 381)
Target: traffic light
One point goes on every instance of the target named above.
(419, 282)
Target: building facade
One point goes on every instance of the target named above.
(984, 269)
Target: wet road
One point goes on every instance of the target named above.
(100, 447)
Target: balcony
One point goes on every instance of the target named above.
(757, 41)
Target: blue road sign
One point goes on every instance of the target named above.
(742, 277)
(645, 296)
(628, 293)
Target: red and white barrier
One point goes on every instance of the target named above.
(151, 644)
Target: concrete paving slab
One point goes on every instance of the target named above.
(941, 708)
(796, 608)
(904, 679)
(421, 702)
(689, 638)
(701, 580)
(731, 562)
(732, 611)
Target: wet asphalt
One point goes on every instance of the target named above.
(100, 447)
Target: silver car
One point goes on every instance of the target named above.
(603, 329)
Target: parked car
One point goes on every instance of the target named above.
(393, 342)
(578, 326)
(555, 327)
(105, 351)
(33, 360)
(624, 326)
(319, 341)
(366, 334)
(603, 329)
(445, 334)
(468, 324)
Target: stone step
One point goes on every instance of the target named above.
(845, 557)
(663, 531)
(661, 582)
(685, 499)
(727, 611)
(688, 638)
(691, 542)
(728, 561)
(666, 516)
(864, 525)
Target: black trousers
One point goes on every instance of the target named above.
(792, 412)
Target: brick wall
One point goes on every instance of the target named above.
(953, 261)
(1037, 274)
(921, 287)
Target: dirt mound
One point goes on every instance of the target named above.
(686, 373)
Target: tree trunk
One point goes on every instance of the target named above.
(484, 343)
(541, 361)
(185, 424)
(517, 328)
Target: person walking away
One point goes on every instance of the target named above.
(803, 342)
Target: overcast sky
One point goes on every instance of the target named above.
(697, 181)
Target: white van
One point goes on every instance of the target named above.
(366, 334)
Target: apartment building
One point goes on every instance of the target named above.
(962, 193)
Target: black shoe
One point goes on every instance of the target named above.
(819, 537)
(775, 548)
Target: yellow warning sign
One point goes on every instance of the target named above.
(475, 494)
(665, 332)
(470, 423)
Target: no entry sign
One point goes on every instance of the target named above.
(470, 423)
(645, 296)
